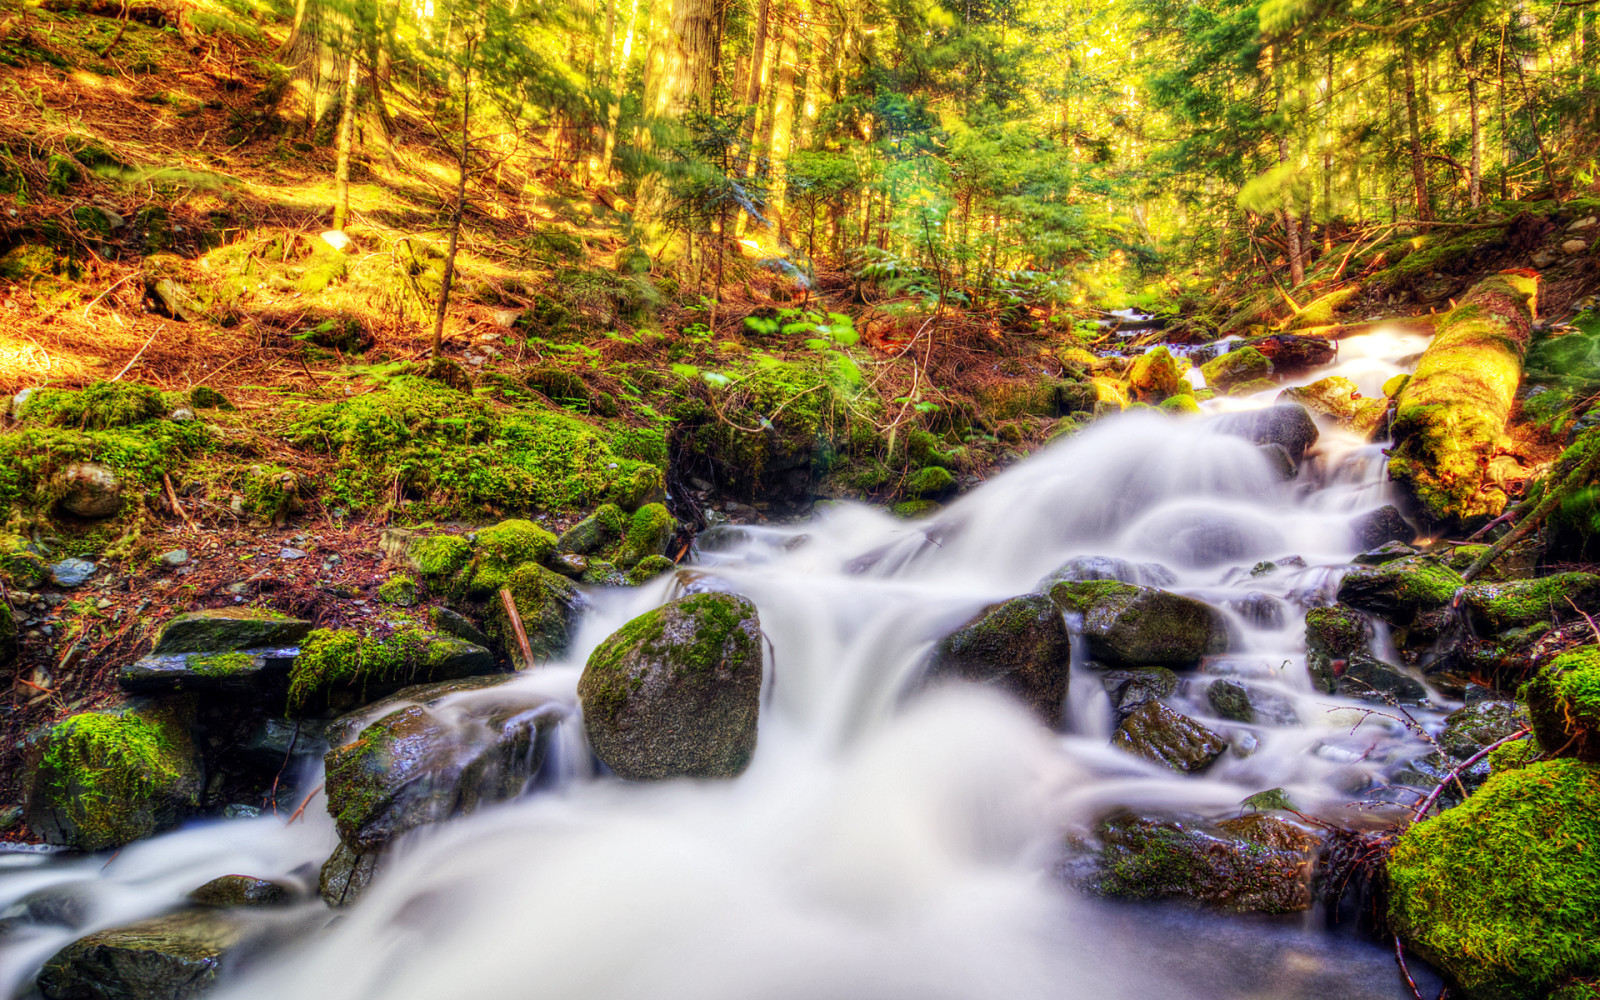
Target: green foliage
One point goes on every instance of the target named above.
(100, 406)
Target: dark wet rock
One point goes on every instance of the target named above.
(676, 692)
(1157, 733)
(1478, 725)
(600, 532)
(1377, 527)
(1254, 863)
(241, 673)
(549, 605)
(102, 779)
(1427, 771)
(1293, 354)
(413, 766)
(1281, 461)
(1287, 425)
(451, 623)
(70, 905)
(1259, 609)
(175, 957)
(1388, 552)
(1399, 591)
(226, 629)
(1494, 608)
(273, 741)
(71, 573)
(1367, 677)
(91, 490)
(1333, 635)
(230, 891)
(1128, 689)
(1021, 646)
(1230, 701)
(1084, 568)
(1126, 625)
(347, 874)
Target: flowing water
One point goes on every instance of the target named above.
(883, 843)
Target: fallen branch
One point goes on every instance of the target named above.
(302, 810)
(1400, 959)
(177, 508)
(516, 626)
(1461, 769)
(140, 354)
(1554, 494)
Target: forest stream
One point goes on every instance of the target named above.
(890, 838)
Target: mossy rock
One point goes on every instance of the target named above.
(502, 548)
(1253, 864)
(676, 692)
(438, 558)
(1564, 702)
(104, 779)
(178, 956)
(1332, 634)
(101, 406)
(9, 644)
(1238, 366)
(20, 566)
(911, 510)
(649, 568)
(223, 630)
(548, 604)
(340, 669)
(203, 397)
(1498, 607)
(1157, 733)
(227, 892)
(930, 483)
(1400, 590)
(650, 530)
(1155, 375)
(1128, 625)
(1021, 646)
(600, 532)
(1130, 688)
(258, 673)
(412, 767)
(399, 590)
(1500, 892)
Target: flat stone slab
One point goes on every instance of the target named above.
(244, 671)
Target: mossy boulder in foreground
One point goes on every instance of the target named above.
(176, 957)
(1021, 646)
(1247, 864)
(341, 668)
(1564, 703)
(676, 692)
(1502, 892)
(1398, 591)
(1127, 625)
(103, 779)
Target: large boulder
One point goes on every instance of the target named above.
(1286, 424)
(1155, 375)
(1248, 864)
(250, 672)
(176, 957)
(222, 630)
(102, 779)
(1157, 733)
(90, 490)
(1500, 892)
(339, 669)
(676, 692)
(1127, 625)
(1239, 366)
(1339, 399)
(1400, 590)
(1021, 646)
(1494, 608)
(1377, 527)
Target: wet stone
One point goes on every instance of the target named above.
(1128, 689)
(1386, 553)
(1253, 863)
(243, 672)
(1157, 733)
(1021, 646)
(242, 890)
(1230, 701)
(175, 957)
(1380, 527)
(227, 629)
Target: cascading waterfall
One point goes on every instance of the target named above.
(885, 842)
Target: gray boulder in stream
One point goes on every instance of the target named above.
(175, 957)
(1253, 863)
(1287, 424)
(1400, 590)
(676, 692)
(1021, 646)
(1157, 733)
(1134, 626)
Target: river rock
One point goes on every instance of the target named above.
(1494, 608)
(676, 691)
(1287, 425)
(1126, 625)
(1128, 689)
(454, 623)
(1388, 552)
(600, 532)
(1239, 366)
(239, 673)
(1376, 527)
(549, 605)
(1564, 703)
(175, 957)
(226, 629)
(1230, 701)
(1254, 863)
(347, 874)
(1157, 733)
(339, 669)
(91, 490)
(1155, 375)
(1399, 591)
(650, 529)
(1022, 647)
(230, 891)
(101, 779)
(69, 573)
(1083, 568)
(1259, 609)
(1365, 676)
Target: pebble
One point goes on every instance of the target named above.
(102, 604)
(72, 572)
(1584, 223)
(177, 557)
(181, 415)
(1574, 246)
(291, 554)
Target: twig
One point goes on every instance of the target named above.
(108, 291)
(302, 810)
(139, 355)
(516, 626)
(1400, 959)
(177, 508)
(1554, 492)
(1461, 769)
(1592, 626)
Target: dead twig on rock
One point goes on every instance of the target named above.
(1462, 768)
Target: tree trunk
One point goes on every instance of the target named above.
(758, 80)
(680, 72)
(347, 119)
(780, 127)
(1450, 418)
(448, 278)
(613, 76)
(1419, 168)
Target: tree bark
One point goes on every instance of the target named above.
(347, 119)
(465, 155)
(780, 128)
(1450, 418)
(1419, 166)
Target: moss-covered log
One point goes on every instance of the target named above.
(1450, 418)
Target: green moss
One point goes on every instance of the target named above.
(649, 531)
(1518, 753)
(20, 567)
(1155, 376)
(910, 510)
(711, 621)
(545, 601)
(1181, 403)
(930, 482)
(1518, 603)
(1564, 702)
(1503, 889)
(332, 659)
(505, 546)
(1081, 596)
(30, 456)
(597, 534)
(649, 568)
(100, 406)
(102, 770)
(220, 664)
(440, 556)
(1241, 365)
(399, 590)
(203, 397)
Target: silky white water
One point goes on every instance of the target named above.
(885, 842)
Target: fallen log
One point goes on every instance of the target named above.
(1450, 419)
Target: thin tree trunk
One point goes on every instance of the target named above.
(347, 119)
(781, 126)
(758, 80)
(448, 277)
(613, 77)
(1419, 168)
